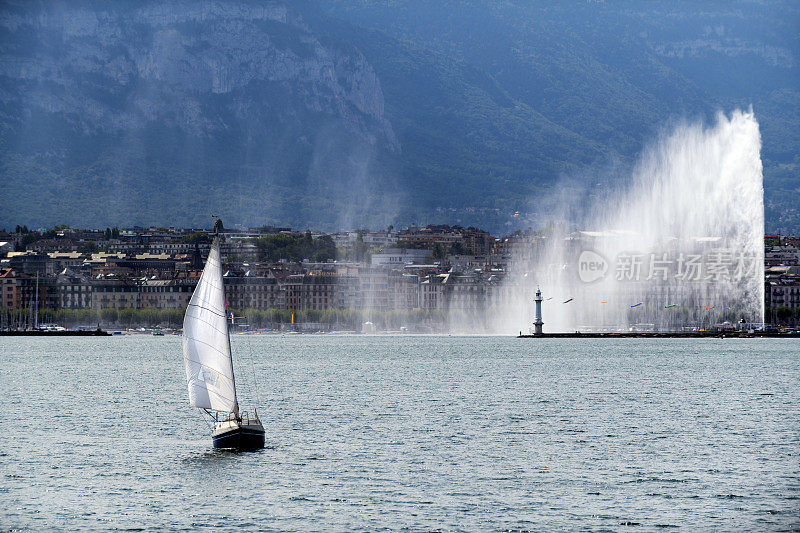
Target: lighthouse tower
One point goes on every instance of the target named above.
(537, 324)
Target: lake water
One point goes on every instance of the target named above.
(416, 433)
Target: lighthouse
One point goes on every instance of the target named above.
(537, 323)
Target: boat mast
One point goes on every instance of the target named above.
(217, 237)
(29, 312)
(36, 311)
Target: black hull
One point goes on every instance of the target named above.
(240, 439)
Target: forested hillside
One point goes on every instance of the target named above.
(341, 113)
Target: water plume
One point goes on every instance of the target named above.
(679, 246)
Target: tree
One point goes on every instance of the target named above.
(109, 316)
(307, 245)
(325, 249)
(197, 238)
(438, 251)
(456, 248)
(295, 248)
(88, 247)
(359, 248)
(28, 237)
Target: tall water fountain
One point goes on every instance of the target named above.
(680, 247)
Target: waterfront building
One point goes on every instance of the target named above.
(373, 290)
(9, 289)
(464, 292)
(782, 294)
(165, 293)
(468, 262)
(305, 292)
(253, 292)
(347, 289)
(74, 290)
(431, 295)
(403, 290)
(37, 291)
(115, 293)
(319, 292)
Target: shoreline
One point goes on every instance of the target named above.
(663, 335)
(90, 333)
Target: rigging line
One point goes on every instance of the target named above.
(253, 370)
(244, 387)
(205, 421)
(252, 388)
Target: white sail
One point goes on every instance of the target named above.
(206, 346)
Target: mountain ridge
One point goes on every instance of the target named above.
(340, 114)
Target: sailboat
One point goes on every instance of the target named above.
(209, 365)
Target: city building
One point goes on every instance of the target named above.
(782, 294)
(9, 290)
(253, 292)
(30, 263)
(115, 293)
(400, 256)
(165, 293)
(74, 290)
(157, 268)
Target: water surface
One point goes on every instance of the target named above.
(421, 433)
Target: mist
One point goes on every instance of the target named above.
(678, 245)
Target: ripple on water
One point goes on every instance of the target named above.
(450, 433)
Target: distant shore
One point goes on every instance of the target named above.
(663, 335)
(43, 333)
